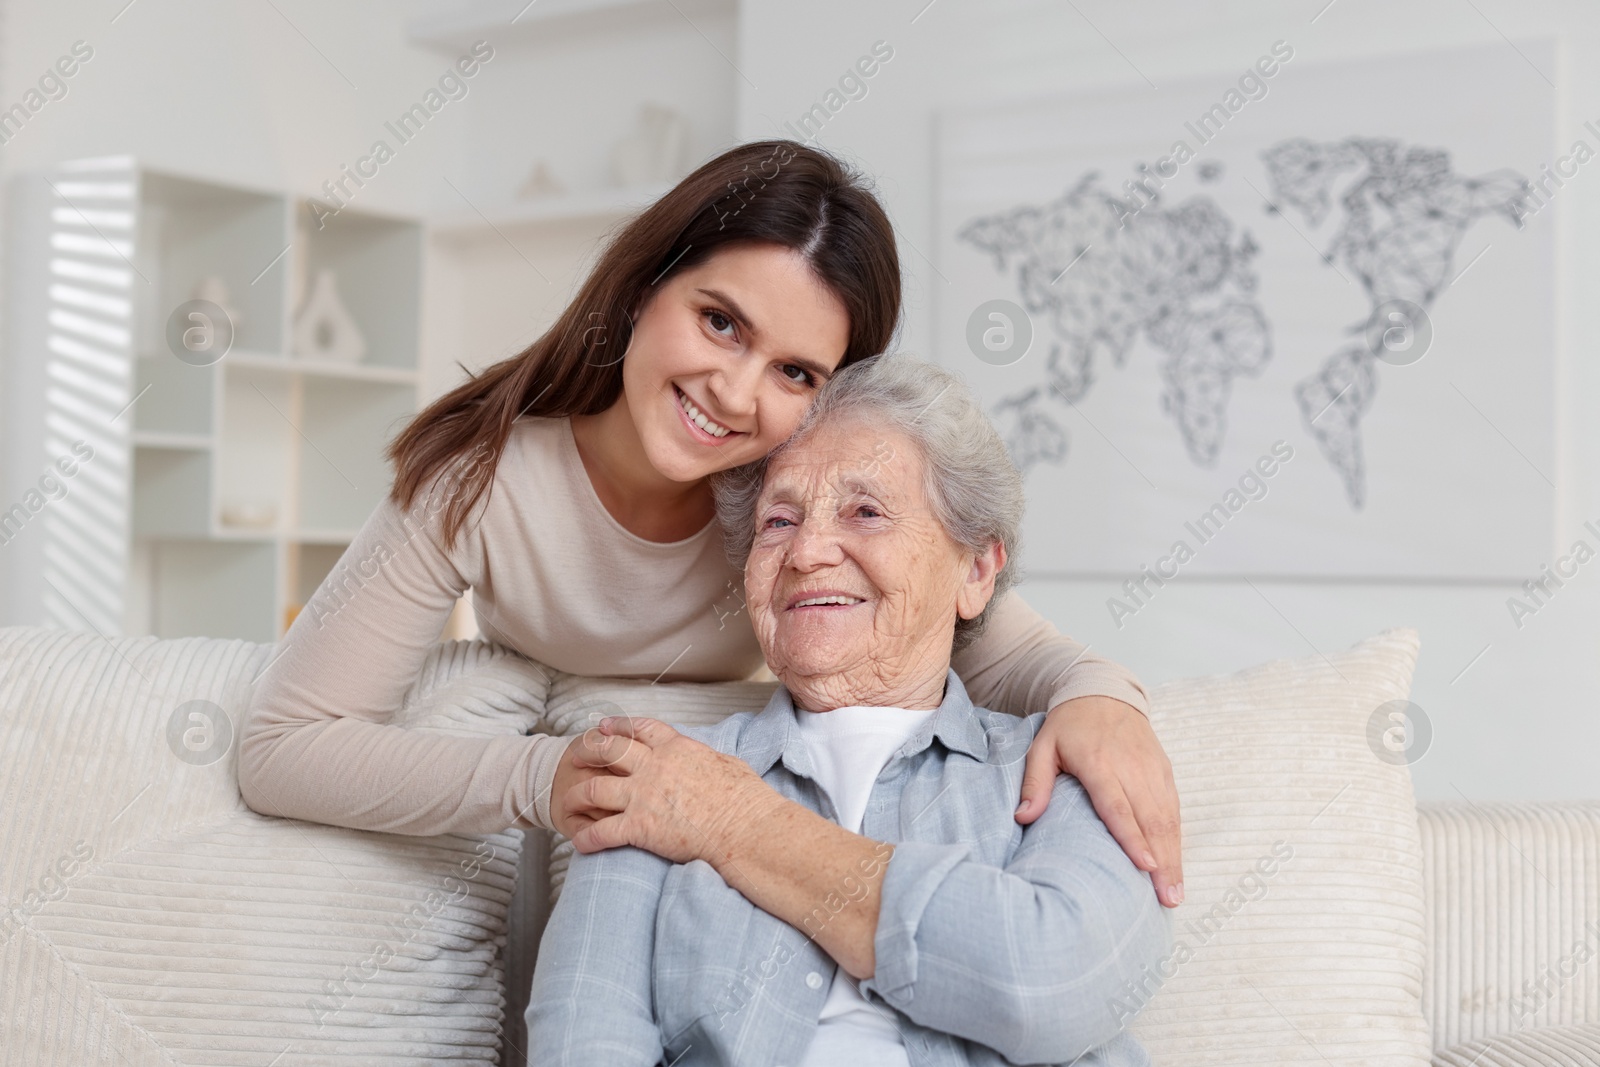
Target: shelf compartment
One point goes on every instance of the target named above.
(179, 398)
(376, 262)
(345, 475)
(190, 230)
(171, 492)
(255, 448)
(205, 588)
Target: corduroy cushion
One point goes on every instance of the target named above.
(154, 919)
(1550, 1046)
(1514, 918)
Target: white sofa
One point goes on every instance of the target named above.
(153, 918)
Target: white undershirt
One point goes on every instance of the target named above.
(848, 748)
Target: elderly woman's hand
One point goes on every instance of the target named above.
(1108, 745)
(662, 792)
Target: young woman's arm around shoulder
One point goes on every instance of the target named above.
(1098, 731)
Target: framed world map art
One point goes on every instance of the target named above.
(1295, 320)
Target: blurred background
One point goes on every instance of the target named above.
(1338, 345)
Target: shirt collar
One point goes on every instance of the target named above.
(774, 734)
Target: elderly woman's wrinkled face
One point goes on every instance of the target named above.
(853, 584)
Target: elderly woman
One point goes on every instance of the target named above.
(872, 544)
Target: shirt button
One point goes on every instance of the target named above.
(814, 980)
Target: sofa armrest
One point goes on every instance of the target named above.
(1513, 913)
(1545, 1046)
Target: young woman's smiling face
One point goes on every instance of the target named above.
(726, 356)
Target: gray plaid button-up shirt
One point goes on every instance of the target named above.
(996, 943)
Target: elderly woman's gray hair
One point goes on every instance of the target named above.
(971, 484)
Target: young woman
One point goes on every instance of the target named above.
(695, 345)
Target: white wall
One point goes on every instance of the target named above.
(1524, 721)
(236, 92)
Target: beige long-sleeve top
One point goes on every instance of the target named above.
(555, 577)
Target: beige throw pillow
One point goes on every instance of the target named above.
(1301, 939)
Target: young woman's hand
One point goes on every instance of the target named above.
(1109, 746)
(579, 763)
(637, 781)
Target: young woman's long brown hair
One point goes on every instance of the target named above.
(777, 192)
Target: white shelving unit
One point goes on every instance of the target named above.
(102, 252)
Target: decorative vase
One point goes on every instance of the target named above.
(325, 329)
